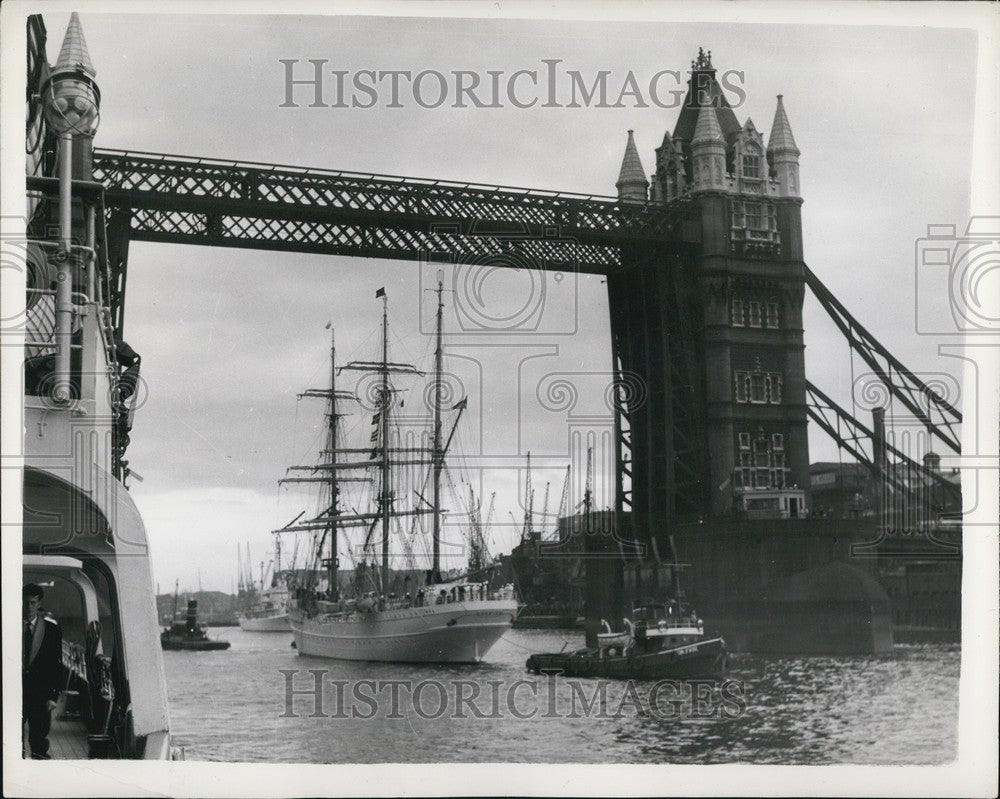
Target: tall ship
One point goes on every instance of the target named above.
(268, 612)
(83, 539)
(395, 615)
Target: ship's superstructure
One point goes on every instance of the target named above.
(84, 539)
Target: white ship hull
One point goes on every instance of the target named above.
(457, 632)
(266, 624)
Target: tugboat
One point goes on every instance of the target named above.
(188, 634)
(661, 641)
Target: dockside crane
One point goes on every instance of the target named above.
(563, 501)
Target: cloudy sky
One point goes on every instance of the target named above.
(883, 117)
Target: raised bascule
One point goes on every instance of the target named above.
(706, 280)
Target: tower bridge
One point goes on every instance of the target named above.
(706, 280)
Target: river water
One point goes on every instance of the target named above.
(238, 705)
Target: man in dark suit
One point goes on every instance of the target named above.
(41, 671)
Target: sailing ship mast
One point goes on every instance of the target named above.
(438, 454)
(332, 520)
(385, 492)
(332, 562)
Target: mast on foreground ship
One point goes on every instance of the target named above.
(82, 536)
(444, 622)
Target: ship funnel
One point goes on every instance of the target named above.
(191, 620)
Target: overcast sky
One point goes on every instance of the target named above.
(883, 118)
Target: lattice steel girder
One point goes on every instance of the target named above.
(300, 209)
(853, 436)
(443, 244)
(923, 401)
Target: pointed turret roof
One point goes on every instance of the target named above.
(781, 139)
(703, 78)
(707, 131)
(631, 172)
(74, 53)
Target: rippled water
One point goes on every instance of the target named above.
(229, 706)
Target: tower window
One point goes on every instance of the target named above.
(755, 320)
(742, 386)
(751, 166)
(772, 314)
(758, 387)
(764, 467)
(778, 473)
(744, 441)
(739, 314)
(777, 441)
(755, 218)
(744, 474)
(774, 389)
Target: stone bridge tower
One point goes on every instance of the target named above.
(713, 330)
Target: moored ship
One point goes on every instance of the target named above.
(269, 612)
(453, 621)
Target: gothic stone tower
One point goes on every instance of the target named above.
(714, 330)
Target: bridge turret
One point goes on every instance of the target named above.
(632, 184)
(782, 154)
(670, 180)
(708, 151)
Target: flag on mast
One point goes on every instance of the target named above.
(380, 293)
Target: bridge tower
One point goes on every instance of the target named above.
(714, 331)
